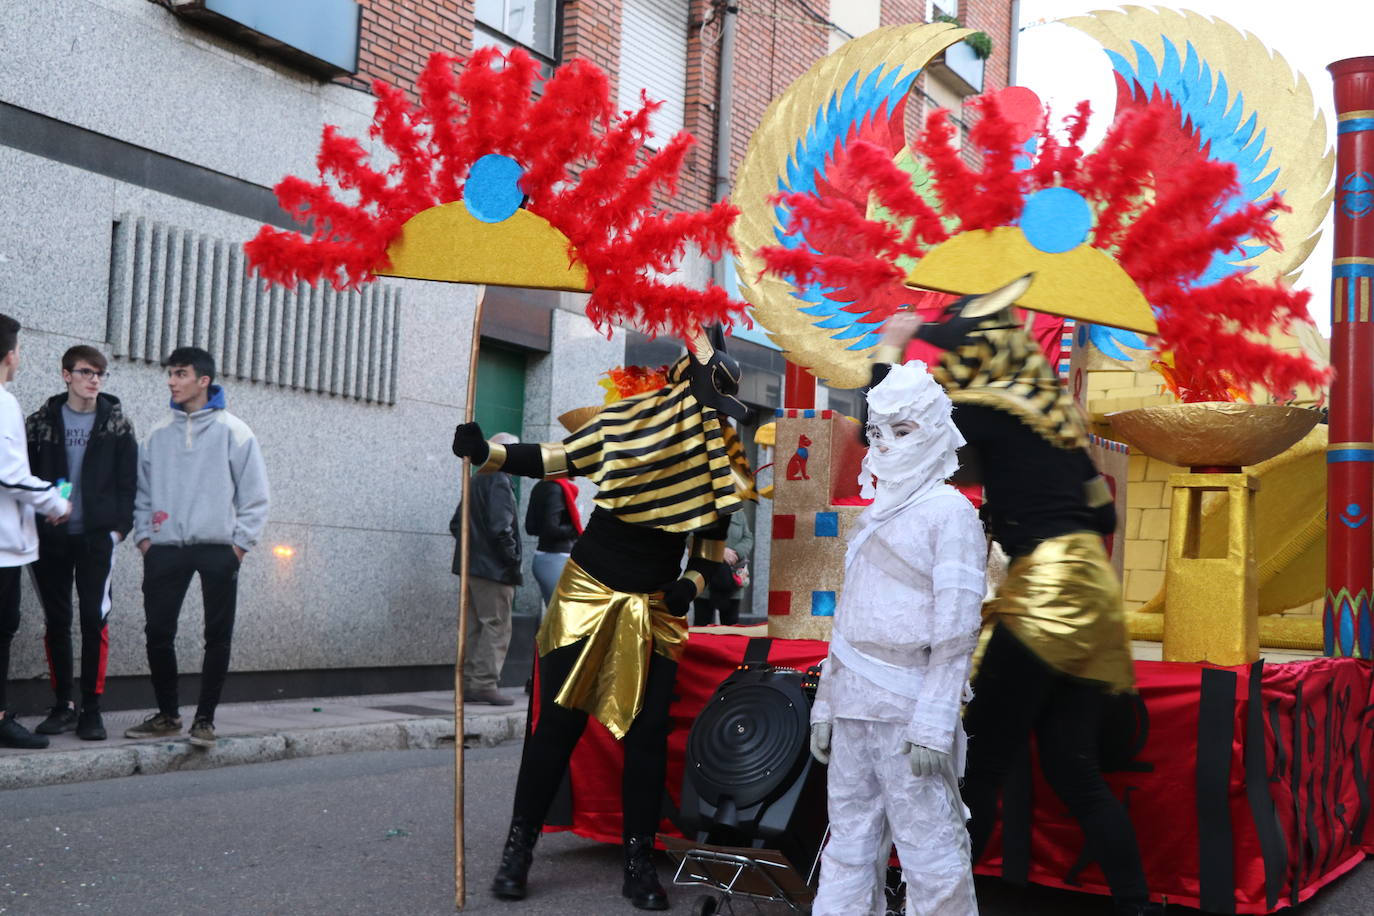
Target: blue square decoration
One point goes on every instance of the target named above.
(827, 524)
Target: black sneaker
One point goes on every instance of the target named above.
(89, 726)
(12, 734)
(61, 719)
(203, 733)
(158, 725)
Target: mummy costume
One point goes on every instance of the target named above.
(887, 710)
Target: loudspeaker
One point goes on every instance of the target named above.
(750, 779)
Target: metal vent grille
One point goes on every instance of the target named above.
(171, 287)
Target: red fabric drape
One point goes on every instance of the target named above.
(1326, 828)
(570, 502)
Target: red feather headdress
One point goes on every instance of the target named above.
(580, 171)
(1162, 230)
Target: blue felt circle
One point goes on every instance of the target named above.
(1353, 509)
(492, 192)
(1056, 219)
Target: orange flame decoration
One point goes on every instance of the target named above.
(584, 169)
(1191, 386)
(628, 381)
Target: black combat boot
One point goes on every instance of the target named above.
(514, 870)
(641, 878)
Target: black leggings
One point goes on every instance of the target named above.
(1016, 693)
(548, 749)
(9, 621)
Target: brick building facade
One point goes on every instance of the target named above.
(134, 180)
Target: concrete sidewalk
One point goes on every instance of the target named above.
(260, 732)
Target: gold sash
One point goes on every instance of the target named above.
(621, 629)
(1063, 601)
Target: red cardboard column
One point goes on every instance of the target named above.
(799, 388)
(1346, 622)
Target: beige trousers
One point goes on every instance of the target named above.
(488, 633)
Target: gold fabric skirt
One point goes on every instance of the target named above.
(621, 629)
(1063, 601)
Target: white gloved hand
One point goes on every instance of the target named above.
(924, 761)
(820, 741)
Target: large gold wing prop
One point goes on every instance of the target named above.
(1242, 99)
(860, 90)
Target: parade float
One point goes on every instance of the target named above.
(1249, 785)
(1249, 782)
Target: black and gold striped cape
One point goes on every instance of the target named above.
(661, 459)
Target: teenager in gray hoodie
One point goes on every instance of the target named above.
(201, 505)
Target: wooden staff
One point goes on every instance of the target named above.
(459, 882)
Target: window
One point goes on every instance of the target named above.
(948, 7)
(653, 57)
(528, 24)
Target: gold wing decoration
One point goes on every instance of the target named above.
(1240, 97)
(858, 91)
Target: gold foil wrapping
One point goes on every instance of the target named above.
(1063, 601)
(1213, 433)
(621, 629)
(1211, 601)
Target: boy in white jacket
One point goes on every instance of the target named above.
(886, 716)
(20, 495)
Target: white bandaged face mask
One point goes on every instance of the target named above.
(911, 435)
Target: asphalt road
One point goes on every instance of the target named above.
(348, 834)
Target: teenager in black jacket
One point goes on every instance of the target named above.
(81, 436)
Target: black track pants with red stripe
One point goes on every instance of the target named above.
(86, 561)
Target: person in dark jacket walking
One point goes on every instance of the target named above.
(493, 574)
(81, 436)
(552, 517)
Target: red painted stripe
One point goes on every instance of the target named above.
(104, 660)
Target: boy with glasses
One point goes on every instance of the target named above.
(81, 436)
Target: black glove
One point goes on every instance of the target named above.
(468, 442)
(678, 596)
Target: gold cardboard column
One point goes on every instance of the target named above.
(1211, 603)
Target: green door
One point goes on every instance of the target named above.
(500, 389)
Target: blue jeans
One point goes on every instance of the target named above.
(547, 568)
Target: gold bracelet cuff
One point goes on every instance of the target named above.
(1097, 492)
(888, 353)
(708, 549)
(696, 579)
(555, 458)
(496, 456)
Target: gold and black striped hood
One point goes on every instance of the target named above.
(999, 365)
(661, 459)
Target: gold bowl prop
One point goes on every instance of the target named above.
(1213, 434)
(578, 417)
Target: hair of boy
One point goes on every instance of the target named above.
(83, 353)
(199, 360)
(9, 335)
